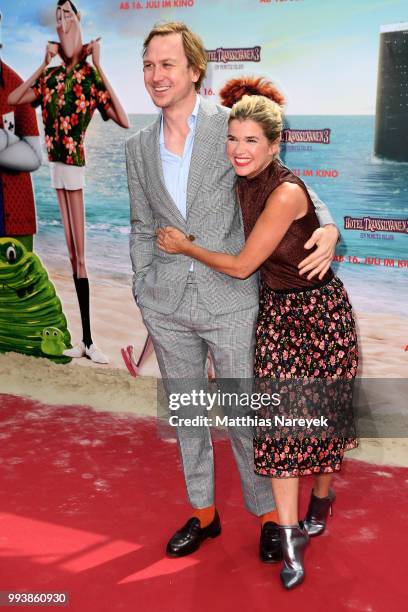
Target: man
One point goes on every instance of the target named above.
(179, 175)
(69, 94)
(20, 153)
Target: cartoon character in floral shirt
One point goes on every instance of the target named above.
(69, 94)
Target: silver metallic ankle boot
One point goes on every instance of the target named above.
(294, 540)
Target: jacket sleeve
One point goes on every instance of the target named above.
(322, 212)
(142, 227)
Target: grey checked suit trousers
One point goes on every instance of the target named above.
(181, 343)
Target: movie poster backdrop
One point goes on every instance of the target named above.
(343, 68)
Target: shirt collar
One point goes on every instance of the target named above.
(80, 63)
(191, 120)
(196, 107)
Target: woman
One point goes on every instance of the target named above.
(69, 94)
(305, 328)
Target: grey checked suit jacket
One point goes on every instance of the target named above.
(213, 217)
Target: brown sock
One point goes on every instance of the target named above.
(204, 515)
(270, 516)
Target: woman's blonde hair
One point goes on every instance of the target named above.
(193, 45)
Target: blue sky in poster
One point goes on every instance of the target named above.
(323, 54)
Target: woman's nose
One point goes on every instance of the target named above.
(239, 147)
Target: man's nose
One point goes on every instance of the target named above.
(157, 74)
(64, 24)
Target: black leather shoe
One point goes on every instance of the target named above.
(317, 512)
(188, 539)
(270, 547)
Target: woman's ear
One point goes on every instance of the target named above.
(275, 147)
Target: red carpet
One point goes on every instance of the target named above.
(82, 493)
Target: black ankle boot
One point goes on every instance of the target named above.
(316, 516)
(294, 540)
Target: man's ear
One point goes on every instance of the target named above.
(78, 16)
(196, 74)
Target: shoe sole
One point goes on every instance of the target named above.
(293, 586)
(74, 356)
(93, 361)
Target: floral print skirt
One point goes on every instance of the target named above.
(306, 340)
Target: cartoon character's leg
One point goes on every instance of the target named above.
(76, 219)
(76, 229)
(76, 212)
(69, 238)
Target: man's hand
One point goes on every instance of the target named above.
(94, 49)
(325, 238)
(51, 51)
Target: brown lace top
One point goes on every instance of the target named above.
(280, 270)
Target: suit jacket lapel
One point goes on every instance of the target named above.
(205, 140)
(156, 171)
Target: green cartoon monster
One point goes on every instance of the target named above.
(28, 305)
(52, 342)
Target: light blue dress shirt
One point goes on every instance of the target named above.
(176, 168)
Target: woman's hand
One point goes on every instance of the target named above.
(172, 240)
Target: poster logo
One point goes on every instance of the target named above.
(309, 136)
(240, 54)
(378, 224)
